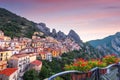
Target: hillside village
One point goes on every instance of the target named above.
(19, 55)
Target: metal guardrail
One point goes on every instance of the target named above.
(63, 73)
(97, 74)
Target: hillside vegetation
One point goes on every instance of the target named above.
(15, 26)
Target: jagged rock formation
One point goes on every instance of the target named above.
(61, 36)
(16, 26)
(54, 33)
(44, 29)
(73, 35)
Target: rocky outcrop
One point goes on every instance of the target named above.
(44, 29)
(61, 36)
(54, 33)
(73, 35)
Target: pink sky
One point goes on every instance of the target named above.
(91, 19)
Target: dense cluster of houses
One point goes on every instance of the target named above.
(18, 55)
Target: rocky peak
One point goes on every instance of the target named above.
(117, 34)
(61, 35)
(42, 24)
(54, 34)
(54, 31)
(43, 28)
(73, 35)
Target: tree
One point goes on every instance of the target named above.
(31, 75)
(44, 73)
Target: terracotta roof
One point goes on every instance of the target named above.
(8, 71)
(1, 39)
(30, 55)
(4, 50)
(36, 62)
(20, 55)
(43, 52)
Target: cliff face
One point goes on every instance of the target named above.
(73, 35)
(43, 28)
(60, 35)
(108, 45)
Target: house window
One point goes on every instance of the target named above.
(1, 54)
(6, 54)
(20, 65)
(14, 78)
(20, 70)
(0, 59)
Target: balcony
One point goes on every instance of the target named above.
(111, 72)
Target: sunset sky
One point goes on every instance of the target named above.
(91, 19)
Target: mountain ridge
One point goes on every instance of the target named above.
(60, 35)
(17, 26)
(97, 42)
(14, 25)
(108, 45)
